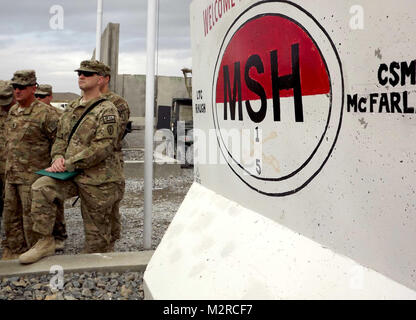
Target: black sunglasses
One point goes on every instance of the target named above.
(86, 73)
(40, 96)
(19, 86)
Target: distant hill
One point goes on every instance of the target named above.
(64, 96)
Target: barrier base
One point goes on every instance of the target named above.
(217, 249)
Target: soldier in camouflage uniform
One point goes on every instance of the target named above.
(91, 151)
(124, 114)
(6, 101)
(30, 131)
(44, 93)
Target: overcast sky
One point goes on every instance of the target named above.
(27, 40)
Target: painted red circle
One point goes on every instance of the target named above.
(261, 36)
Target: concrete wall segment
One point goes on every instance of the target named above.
(360, 202)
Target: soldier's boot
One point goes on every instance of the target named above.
(110, 247)
(9, 255)
(59, 244)
(43, 248)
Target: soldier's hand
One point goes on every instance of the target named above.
(57, 166)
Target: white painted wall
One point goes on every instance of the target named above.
(362, 203)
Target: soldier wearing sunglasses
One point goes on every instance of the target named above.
(44, 94)
(30, 132)
(91, 152)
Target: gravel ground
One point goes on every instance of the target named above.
(75, 286)
(168, 194)
(133, 154)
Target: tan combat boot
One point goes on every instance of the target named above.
(43, 248)
(9, 255)
(59, 244)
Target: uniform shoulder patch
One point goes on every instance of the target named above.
(109, 119)
(110, 130)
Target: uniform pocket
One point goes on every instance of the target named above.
(32, 131)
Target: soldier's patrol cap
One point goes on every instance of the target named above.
(6, 93)
(44, 89)
(93, 66)
(24, 78)
(107, 70)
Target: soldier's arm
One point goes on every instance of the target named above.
(102, 145)
(50, 125)
(60, 144)
(124, 113)
(8, 129)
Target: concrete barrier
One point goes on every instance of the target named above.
(218, 249)
(317, 200)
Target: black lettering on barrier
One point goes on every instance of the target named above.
(360, 103)
(382, 67)
(352, 102)
(356, 104)
(255, 61)
(291, 81)
(408, 71)
(236, 92)
(394, 102)
(384, 102)
(396, 78)
(407, 109)
(373, 100)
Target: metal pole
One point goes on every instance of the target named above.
(99, 28)
(150, 101)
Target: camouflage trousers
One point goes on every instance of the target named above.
(115, 214)
(1, 197)
(18, 222)
(1, 194)
(96, 208)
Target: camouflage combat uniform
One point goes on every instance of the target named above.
(59, 230)
(90, 151)
(3, 116)
(30, 133)
(124, 114)
(6, 99)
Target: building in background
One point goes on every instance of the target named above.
(61, 99)
(132, 87)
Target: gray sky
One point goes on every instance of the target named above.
(27, 40)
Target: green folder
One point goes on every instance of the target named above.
(58, 175)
